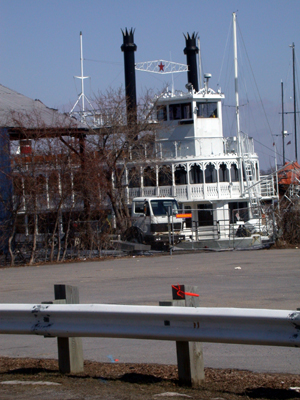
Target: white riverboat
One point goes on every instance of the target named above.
(214, 178)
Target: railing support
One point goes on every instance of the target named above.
(70, 353)
(189, 354)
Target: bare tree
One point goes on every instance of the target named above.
(121, 147)
(38, 173)
(71, 176)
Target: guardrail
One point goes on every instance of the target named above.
(219, 325)
(180, 319)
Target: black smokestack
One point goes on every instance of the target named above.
(128, 47)
(191, 51)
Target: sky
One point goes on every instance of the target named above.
(40, 54)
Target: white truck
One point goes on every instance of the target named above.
(155, 221)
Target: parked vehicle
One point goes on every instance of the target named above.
(155, 222)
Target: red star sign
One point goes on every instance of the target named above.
(161, 66)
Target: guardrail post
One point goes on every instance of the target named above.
(70, 353)
(189, 354)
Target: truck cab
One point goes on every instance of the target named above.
(156, 218)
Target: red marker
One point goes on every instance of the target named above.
(180, 293)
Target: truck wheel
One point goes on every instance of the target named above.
(134, 235)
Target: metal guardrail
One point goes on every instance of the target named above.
(219, 325)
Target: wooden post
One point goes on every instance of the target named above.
(189, 354)
(70, 354)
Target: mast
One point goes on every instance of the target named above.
(294, 94)
(81, 70)
(282, 112)
(83, 114)
(237, 104)
(247, 167)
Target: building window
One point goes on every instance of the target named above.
(207, 110)
(41, 184)
(180, 111)
(17, 185)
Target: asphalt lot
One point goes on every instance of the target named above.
(252, 279)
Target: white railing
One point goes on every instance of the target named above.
(195, 191)
(219, 325)
(267, 186)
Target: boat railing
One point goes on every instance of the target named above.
(195, 191)
(206, 218)
(268, 186)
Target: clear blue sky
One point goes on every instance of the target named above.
(40, 50)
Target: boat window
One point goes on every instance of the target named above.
(162, 113)
(238, 211)
(149, 177)
(180, 111)
(210, 174)
(188, 221)
(180, 175)
(133, 177)
(207, 110)
(205, 215)
(160, 207)
(196, 174)
(223, 173)
(165, 176)
(234, 172)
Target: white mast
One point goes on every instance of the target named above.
(237, 108)
(81, 96)
(237, 104)
(82, 77)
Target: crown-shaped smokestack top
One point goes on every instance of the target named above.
(129, 47)
(128, 39)
(191, 44)
(191, 50)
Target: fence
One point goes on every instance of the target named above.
(209, 229)
(47, 241)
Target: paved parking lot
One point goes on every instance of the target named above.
(251, 279)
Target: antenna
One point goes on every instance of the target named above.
(83, 114)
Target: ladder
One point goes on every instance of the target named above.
(250, 175)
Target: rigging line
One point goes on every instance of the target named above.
(256, 84)
(115, 77)
(268, 148)
(226, 45)
(75, 86)
(273, 156)
(104, 62)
